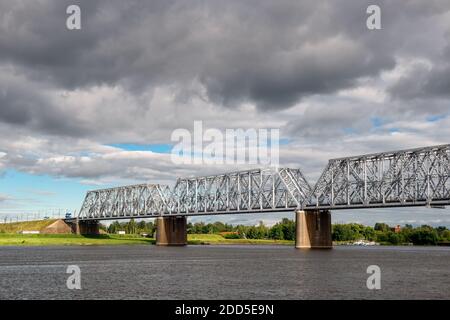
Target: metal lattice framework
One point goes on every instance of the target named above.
(415, 177)
(274, 189)
(141, 200)
(244, 191)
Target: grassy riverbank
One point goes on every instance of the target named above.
(8, 239)
(68, 239)
(15, 227)
(218, 239)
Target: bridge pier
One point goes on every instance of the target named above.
(313, 229)
(171, 231)
(86, 227)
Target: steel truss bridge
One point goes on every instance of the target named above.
(414, 177)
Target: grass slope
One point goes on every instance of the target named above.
(218, 239)
(15, 227)
(72, 239)
(68, 239)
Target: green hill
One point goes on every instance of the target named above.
(16, 227)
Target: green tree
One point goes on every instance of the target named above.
(347, 232)
(288, 229)
(276, 232)
(424, 235)
(114, 227)
(131, 227)
(382, 227)
(141, 226)
(369, 233)
(445, 235)
(394, 238)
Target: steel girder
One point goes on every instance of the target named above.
(274, 189)
(141, 200)
(243, 191)
(414, 177)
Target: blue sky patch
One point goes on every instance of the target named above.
(377, 122)
(39, 193)
(436, 117)
(157, 148)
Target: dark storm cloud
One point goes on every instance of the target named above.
(429, 75)
(24, 105)
(271, 53)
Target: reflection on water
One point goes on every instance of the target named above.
(224, 272)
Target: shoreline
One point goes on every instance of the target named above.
(11, 239)
(7, 239)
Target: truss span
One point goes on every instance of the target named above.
(415, 177)
(259, 190)
(140, 200)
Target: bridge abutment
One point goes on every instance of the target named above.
(313, 229)
(86, 227)
(171, 231)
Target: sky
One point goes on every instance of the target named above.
(96, 107)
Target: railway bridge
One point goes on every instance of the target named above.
(404, 178)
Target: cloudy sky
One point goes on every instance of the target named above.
(89, 108)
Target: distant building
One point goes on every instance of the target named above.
(30, 232)
(225, 233)
(396, 229)
(120, 232)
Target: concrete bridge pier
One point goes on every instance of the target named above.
(86, 227)
(171, 231)
(313, 229)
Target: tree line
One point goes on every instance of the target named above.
(132, 227)
(383, 233)
(285, 230)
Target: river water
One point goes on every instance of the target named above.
(224, 272)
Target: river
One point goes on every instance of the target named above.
(224, 272)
